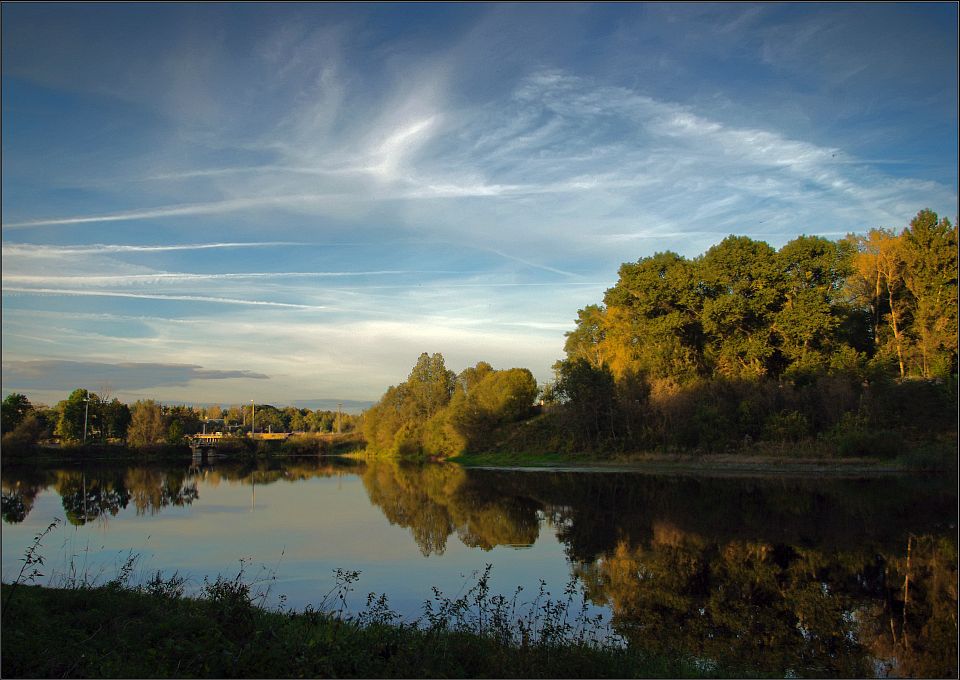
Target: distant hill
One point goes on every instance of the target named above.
(349, 405)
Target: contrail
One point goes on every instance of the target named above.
(157, 296)
(101, 248)
(174, 277)
(167, 211)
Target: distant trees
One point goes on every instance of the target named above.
(22, 424)
(115, 419)
(148, 422)
(13, 410)
(73, 411)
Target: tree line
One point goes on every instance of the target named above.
(745, 310)
(853, 340)
(856, 338)
(85, 416)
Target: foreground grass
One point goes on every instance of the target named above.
(117, 631)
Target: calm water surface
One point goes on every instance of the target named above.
(841, 577)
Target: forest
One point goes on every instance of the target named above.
(850, 343)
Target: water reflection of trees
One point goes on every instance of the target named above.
(90, 497)
(19, 488)
(264, 471)
(779, 609)
(100, 492)
(152, 489)
(436, 501)
(777, 576)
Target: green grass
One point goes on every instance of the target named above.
(154, 631)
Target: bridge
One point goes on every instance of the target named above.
(207, 442)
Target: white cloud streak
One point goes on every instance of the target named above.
(73, 292)
(30, 249)
(177, 277)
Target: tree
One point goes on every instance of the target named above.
(430, 385)
(809, 321)
(586, 341)
(589, 399)
(13, 410)
(27, 432)
(890, 266)
(743, 287)
(497, 398)
(268, 419)
(878, 282)
(298, 422)
(74, 414)
(175, 432)
(146, 424)
(929, 251)
(652, 321)
(116, 419)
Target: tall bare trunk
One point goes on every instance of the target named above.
(897, 334)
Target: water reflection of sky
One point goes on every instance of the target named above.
(300, 533)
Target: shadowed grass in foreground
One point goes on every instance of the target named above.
(152, 630)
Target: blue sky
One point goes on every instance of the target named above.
(287, 203)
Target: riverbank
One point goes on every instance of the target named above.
(298, 445)
(715, 465)
(153, 631)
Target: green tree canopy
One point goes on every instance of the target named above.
(14, 409)
(73, 412)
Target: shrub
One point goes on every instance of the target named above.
(869, 443)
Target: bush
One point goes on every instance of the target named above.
(307, 444)
(868, 443)
(786, 426)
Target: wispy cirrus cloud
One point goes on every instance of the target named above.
(489, 180)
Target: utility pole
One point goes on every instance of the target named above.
(339, 417)
(253, 417)
(86, 408)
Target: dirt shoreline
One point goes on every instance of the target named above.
(707, 465)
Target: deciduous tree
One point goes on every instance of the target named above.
(146, 424)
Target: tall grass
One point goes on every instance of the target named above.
(123, 629)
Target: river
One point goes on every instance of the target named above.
(784, 575)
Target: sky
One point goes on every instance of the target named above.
(213, 203)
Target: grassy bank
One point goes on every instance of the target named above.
(758, 460)
(154, 631)
(538, 442)
(309, 444)
(38, 453)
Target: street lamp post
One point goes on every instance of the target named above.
(86, 408)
